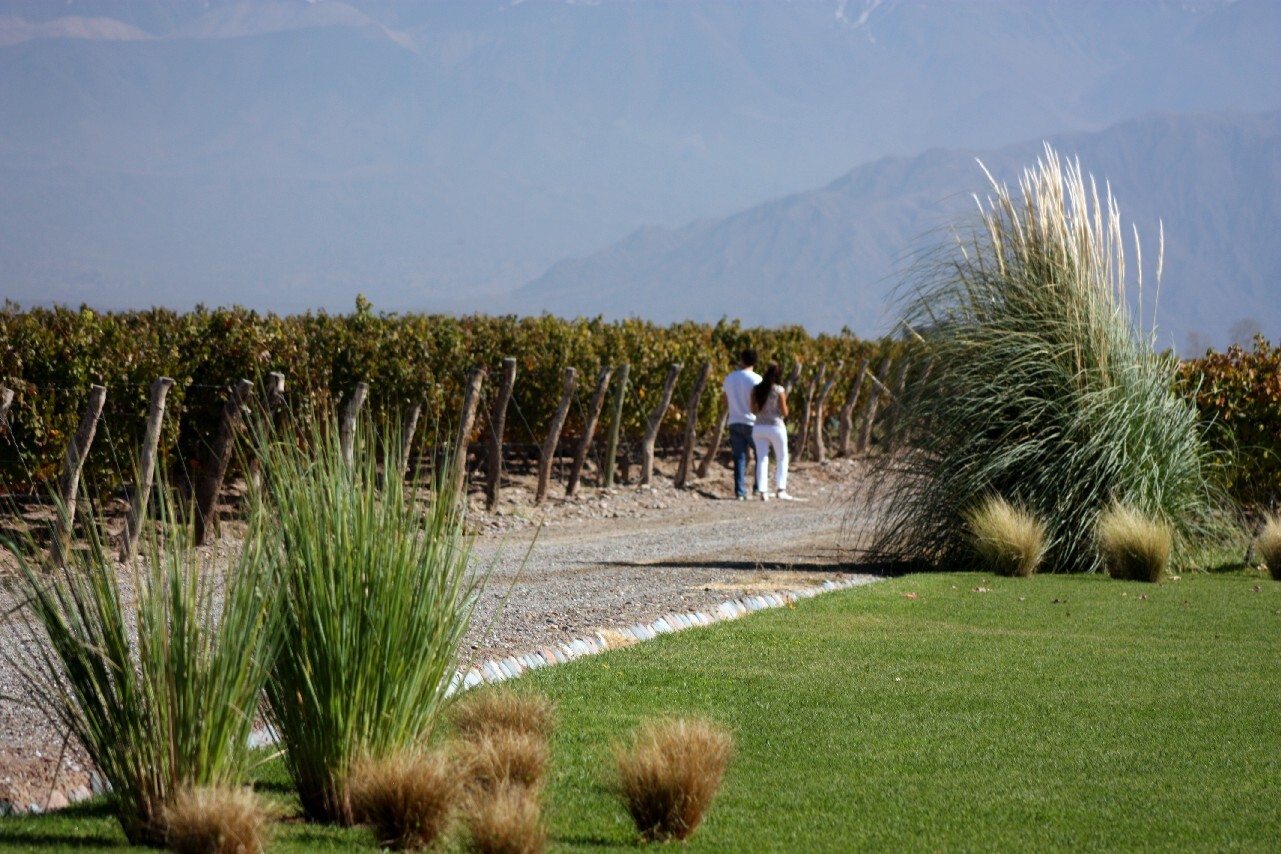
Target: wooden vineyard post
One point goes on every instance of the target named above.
(408, 428)
(72, 465)
(656, 421)
(896, 404)
(713, 446)
(691, 426)
(146, 468)
(497, 423)
(589, 429)
(820, 446)
(6, 400)
(847, 411)
(275, 396)
(471, 401)
(807, 409)
(793, 376)
(548, 452)
(873, 402)
(347, 427)
(611, 450)
(219, 459)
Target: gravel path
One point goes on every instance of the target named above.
(613, 572)
(599, 562)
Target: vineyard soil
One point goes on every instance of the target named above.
(569, 568)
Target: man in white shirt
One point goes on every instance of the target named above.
(738, 397)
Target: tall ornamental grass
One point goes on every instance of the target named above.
(1270, 545)
(1005, 539)
(671, 772)
(1134, 548)
(378, 594)
(156, 669)
(1042, 389)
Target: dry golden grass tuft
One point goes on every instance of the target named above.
(506, 820)
(1133, 546)
(670, 774)
(492, 710)
(1007, 539)
(216, 821)
(408, 799)
(505, 758)
(1270, 545)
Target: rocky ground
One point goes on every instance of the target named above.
(599, 561)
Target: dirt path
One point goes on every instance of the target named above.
(600, 561)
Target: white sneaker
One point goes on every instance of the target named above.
(764, 496)
(783, 496)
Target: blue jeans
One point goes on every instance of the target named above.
(740, 442)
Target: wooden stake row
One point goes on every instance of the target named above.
(810, 435)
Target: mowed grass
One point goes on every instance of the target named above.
(1053, 712)
(1057, 712)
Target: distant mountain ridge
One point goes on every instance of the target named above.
(285, 154)
(833, 256)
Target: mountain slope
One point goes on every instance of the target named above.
(284, 153)
(832, 257)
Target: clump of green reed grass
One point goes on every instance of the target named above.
(1006, 538)
(1133, 546)
(408, 798)
(1269, 545)
(216, 821)
(1041, 390)
(669, 775)
(155, 669)
(377, 597)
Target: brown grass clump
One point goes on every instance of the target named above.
(668, 777)
(486, 711)
(408, 799)
(1270, 545)
(1134, 547)
(216, 821)
(506, 820)
(505, 758)
(1007, 539)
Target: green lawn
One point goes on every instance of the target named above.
(1056, 712)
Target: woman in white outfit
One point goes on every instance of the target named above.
(769, 403)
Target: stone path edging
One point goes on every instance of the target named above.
(500, 670)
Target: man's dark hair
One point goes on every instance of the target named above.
(748, 358)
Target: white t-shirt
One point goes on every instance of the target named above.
(738, 390)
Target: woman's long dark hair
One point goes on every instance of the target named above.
(771, 379)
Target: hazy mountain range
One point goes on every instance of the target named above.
(835, 256)
(287, 154)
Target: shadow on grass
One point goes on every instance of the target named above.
(594, 841)
(888, 569)
(90, 824)
(274, 787)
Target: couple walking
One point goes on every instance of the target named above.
(757, 407)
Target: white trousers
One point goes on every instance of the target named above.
(765, 437)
